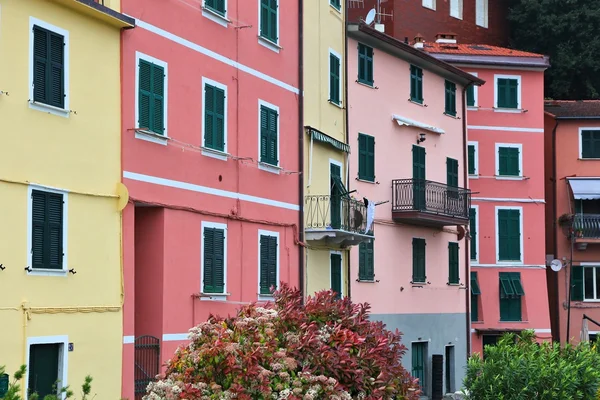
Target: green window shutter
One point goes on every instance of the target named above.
(509, 235)
(158, 95)
(268, 20)
(43, 369)
(214, 117)
(508, 161)
(334, 79)
(453, 264)
(507, 90)
(366, 157)
(452, 172)
(214, 260)
(590, 144)
(418, 260)
(471, 96)
(577, 283)
(366, 267)
(418, 363)
(471, 153)
(151, 97)
(416, 84)
(268, 263)
(216, 5)
(513, 96)
(336, 274)
(268, 135)
(475, 292)
(473, 231)
(336, 4)
(365, 64)
(510, 299)
(47, 230)
(49, 68)
(450, 107)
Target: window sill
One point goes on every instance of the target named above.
(413, 284)
(501, 263)
(215, 16)
(457, 17)
(338, 105)
(508, 110)
(453, 284)
(370, 86)
(451, 116)
(269, 44)
(61, 112)
(509, 178)
(422, 103)
(219, 155)
(588, 159)
(274, 169)
(474, 176)
(472, 108)
(366, 281)
(47, 272)
(373, 182)
(264, 297)
(214, 296)
(151, 136)
(513, 322)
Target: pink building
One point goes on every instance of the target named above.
(211, 158)
(410, 158)
(573, 215)
(506, 153)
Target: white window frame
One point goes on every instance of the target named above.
(476, 159)
(261, 232)
(215, 16)
(274, 46)
(63, 357)
(497, 156)
(474, 107)
(519, 90)
(430, 4)
(219, 155)
(62, 112)
(476, 260)
(339, 10)
(275, 169)
(482, 13)
(343, 276)
(596, 268)
(65, 225)
(458, 12)
(213, 296)
(339, 57)
(521, 218)
(144, 135)
(581, 130)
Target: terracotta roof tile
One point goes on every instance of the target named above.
(573, 108)
(476, 49)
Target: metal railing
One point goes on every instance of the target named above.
(430, 197)
(586, 226)
(335, 212)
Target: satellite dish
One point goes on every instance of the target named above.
(556, 265)
(370, 17)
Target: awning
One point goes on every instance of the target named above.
(585, 188)
(475, 290)
(510, 283)
(403, 121)
(324, 138)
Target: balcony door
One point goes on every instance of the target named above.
(418, 177)
(335, 195)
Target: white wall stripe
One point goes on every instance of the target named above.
(208, 190)
(508, 200)
(128, 339)
(505, 128)
(530, 266)
(216, 56)
(536, 330)
(174, 337)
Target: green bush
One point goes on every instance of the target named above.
(14, 388)
(522, 369)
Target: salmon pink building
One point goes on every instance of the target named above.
(506, 153)
(409, 159)
(211, 158)
(573, 216)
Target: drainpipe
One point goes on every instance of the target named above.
(554, 277)
(345, 110)
(301, 248)
(467, 242)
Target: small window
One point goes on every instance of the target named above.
(269, 135)
(269, 20)
(337, 4)
(214, 259)
(336, 274)
(47, 216)
(268, 263)
(416, 84)
(453, 264)
(590, 143)
(44, 369)
(218, 6)
(49, 67)
(450, 107)
(472, 158)
(334, 79)
(481, 13)
(365, 64)
(509, 234)
(507, 93)
(473, 232)
(151, 96)
(475, 293)
(456, 8)
(418, 251)
(366, 262)
(215, 109)
(429, 4)
(511, 291)
(509, 160)
(586, 283)
(419, 363)
(366, 157)
(452, 172)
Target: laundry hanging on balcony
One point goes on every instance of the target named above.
(370, 213)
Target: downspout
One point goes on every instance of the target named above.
(301, 248)
(555, 306)
(467, 242)
(345, 111)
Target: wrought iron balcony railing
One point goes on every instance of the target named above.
(586, 226)
(420, 195)
(335, 213)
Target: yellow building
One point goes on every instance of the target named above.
(333, 219)
(60, 166)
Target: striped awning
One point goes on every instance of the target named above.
(585, 188)
(324, 138)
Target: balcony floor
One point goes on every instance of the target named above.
(429, 219)
(336, 237)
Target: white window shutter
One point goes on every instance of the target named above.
(429, 4)
(456, 8)
(482, 13)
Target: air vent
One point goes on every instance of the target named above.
(449, 47)
(477, 47)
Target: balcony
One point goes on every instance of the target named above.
(427, 203)
(338, 221)
(585, 228)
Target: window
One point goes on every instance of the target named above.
(151, 93)
(418, 251)
(43, 368)
(335, 264)
(508, 93)
(589, 143)
(366, 264)
(472, 92)
(215, 116)
(450, 108)
(366, 157)
(429, 4)
(511, 291)
(269, 134)
(419, 359)
(218, 6)
(453, 264)
(268, 262)
(509, 160)
(509, 234)
(456, 8)
(49, 66)
(47, 230)
(475, 292)
(473, 232)
(586, 283)
(365, 64)
(336, 4)
(472, 157)
(269, 20)
(334, 78)
(214, 258)
(416, 84)
(481, 13)
(452, 172)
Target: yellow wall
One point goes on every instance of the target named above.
(79, 154)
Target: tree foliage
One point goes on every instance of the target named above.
(567, 31)
(14, 388)
(324, 349)
(522, 369)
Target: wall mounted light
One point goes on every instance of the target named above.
(421, 138)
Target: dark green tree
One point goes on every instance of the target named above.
(568, 32)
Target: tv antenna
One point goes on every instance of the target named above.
(376, 14)
(556, 265)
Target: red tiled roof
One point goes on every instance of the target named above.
(573, 108)
(476, 50)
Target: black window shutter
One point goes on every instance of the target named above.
(38, 229)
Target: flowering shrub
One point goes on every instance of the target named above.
(323, 349)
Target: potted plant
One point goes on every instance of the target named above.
(565, 220)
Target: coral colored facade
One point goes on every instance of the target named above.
(506, 142)
(573, 189)
(206, 197)
(432, 314)
(60, 274)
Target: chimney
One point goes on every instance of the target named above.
(380, 28)
(419, 41)
(449, 38)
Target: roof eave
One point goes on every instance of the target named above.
(541, 63)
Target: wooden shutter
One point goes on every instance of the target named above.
(40, 56)
(336, 274)
(363, 156)
(471, 96)
(416, 84)
(55, 230)
(450, 91)
(216, 5)
(365, 64)
(268, 20)
(219, 119)
(418, 363)
(214, 260)
(144, 94)
(473, 231)
(38, 228)
(512, 94)
(268, 135)
(475, 292)
(508, 161)
(471, 153)
(334, 79)
(502, 93)
(453, 264)
(47, 230)
(509, 235)
(57, 75)
(370, 158)
(209, 117)
(419, 260)
(418, 162)
(158, 100)
(366, 269)
(48, 71)
(452, 172)
(268, 263)
(577, 283)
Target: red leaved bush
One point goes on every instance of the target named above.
(324, 349)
